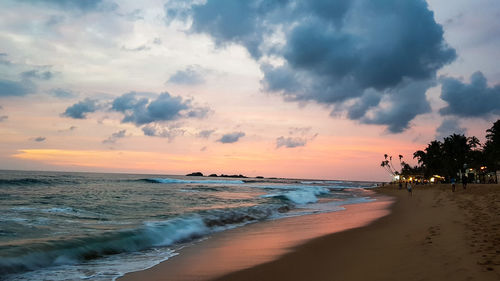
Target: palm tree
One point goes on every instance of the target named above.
(491, 149)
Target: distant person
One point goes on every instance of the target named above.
(453, 181)
(464, 181)
(400, 185)
(408, 187)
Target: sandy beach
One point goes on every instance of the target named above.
(432, 235)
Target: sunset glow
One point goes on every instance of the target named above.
(152, 88)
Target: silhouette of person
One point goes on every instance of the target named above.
(453, 184)
(464, 181)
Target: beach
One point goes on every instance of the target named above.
(433, 234)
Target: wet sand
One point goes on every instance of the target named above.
(259, 243)
(433, 235)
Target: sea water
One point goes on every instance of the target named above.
(86, 226)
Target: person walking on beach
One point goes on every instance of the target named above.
(453, 184)
(464, 181)
(408, 187)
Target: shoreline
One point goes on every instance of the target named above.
(259, 243)
(433, 235)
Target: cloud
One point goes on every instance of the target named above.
(135, 15)
(231, 137)
(205, 134)
(293, 140)
(16, 88)
(39, 139)
(169, 132)
(72, 128)
(299, 130)
(81, 5)
(79, 110)
(192, 75)
(37, 74)
(4, 60)
(406, 102)
(290, 142)
(141, 111)
(3, 118)
(143, 47)
(345, 54)
(449, 127)
(114, 137)
(199, 112)
(475, 99)
(62, 93)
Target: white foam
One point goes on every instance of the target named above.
(301, 195)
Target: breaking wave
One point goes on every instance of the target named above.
(72, 250)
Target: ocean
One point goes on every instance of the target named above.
(96, 226)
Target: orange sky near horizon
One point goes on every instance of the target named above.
(325, 159)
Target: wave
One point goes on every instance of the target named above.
(169, 180)
(59, 211)
(322, 182)
(73, 250)
(36, 181)
(302, 195)
(27, 257)
(341, 184)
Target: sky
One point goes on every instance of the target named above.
(277, 88)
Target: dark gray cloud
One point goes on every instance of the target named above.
(205, 134)
(141, 111)
(449, 127)
(231, 137)
(475, 99)
(79, 5)
(37, 74)
(192, 75)
(16, 88)
(290, 142)
(367, 101)
(79, 110)
(39, 139)
(114, 137)
(62, 93)
(403, 104)
(163, 131)
(349, 53)
(3, 118)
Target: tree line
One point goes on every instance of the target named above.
(455, 153)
